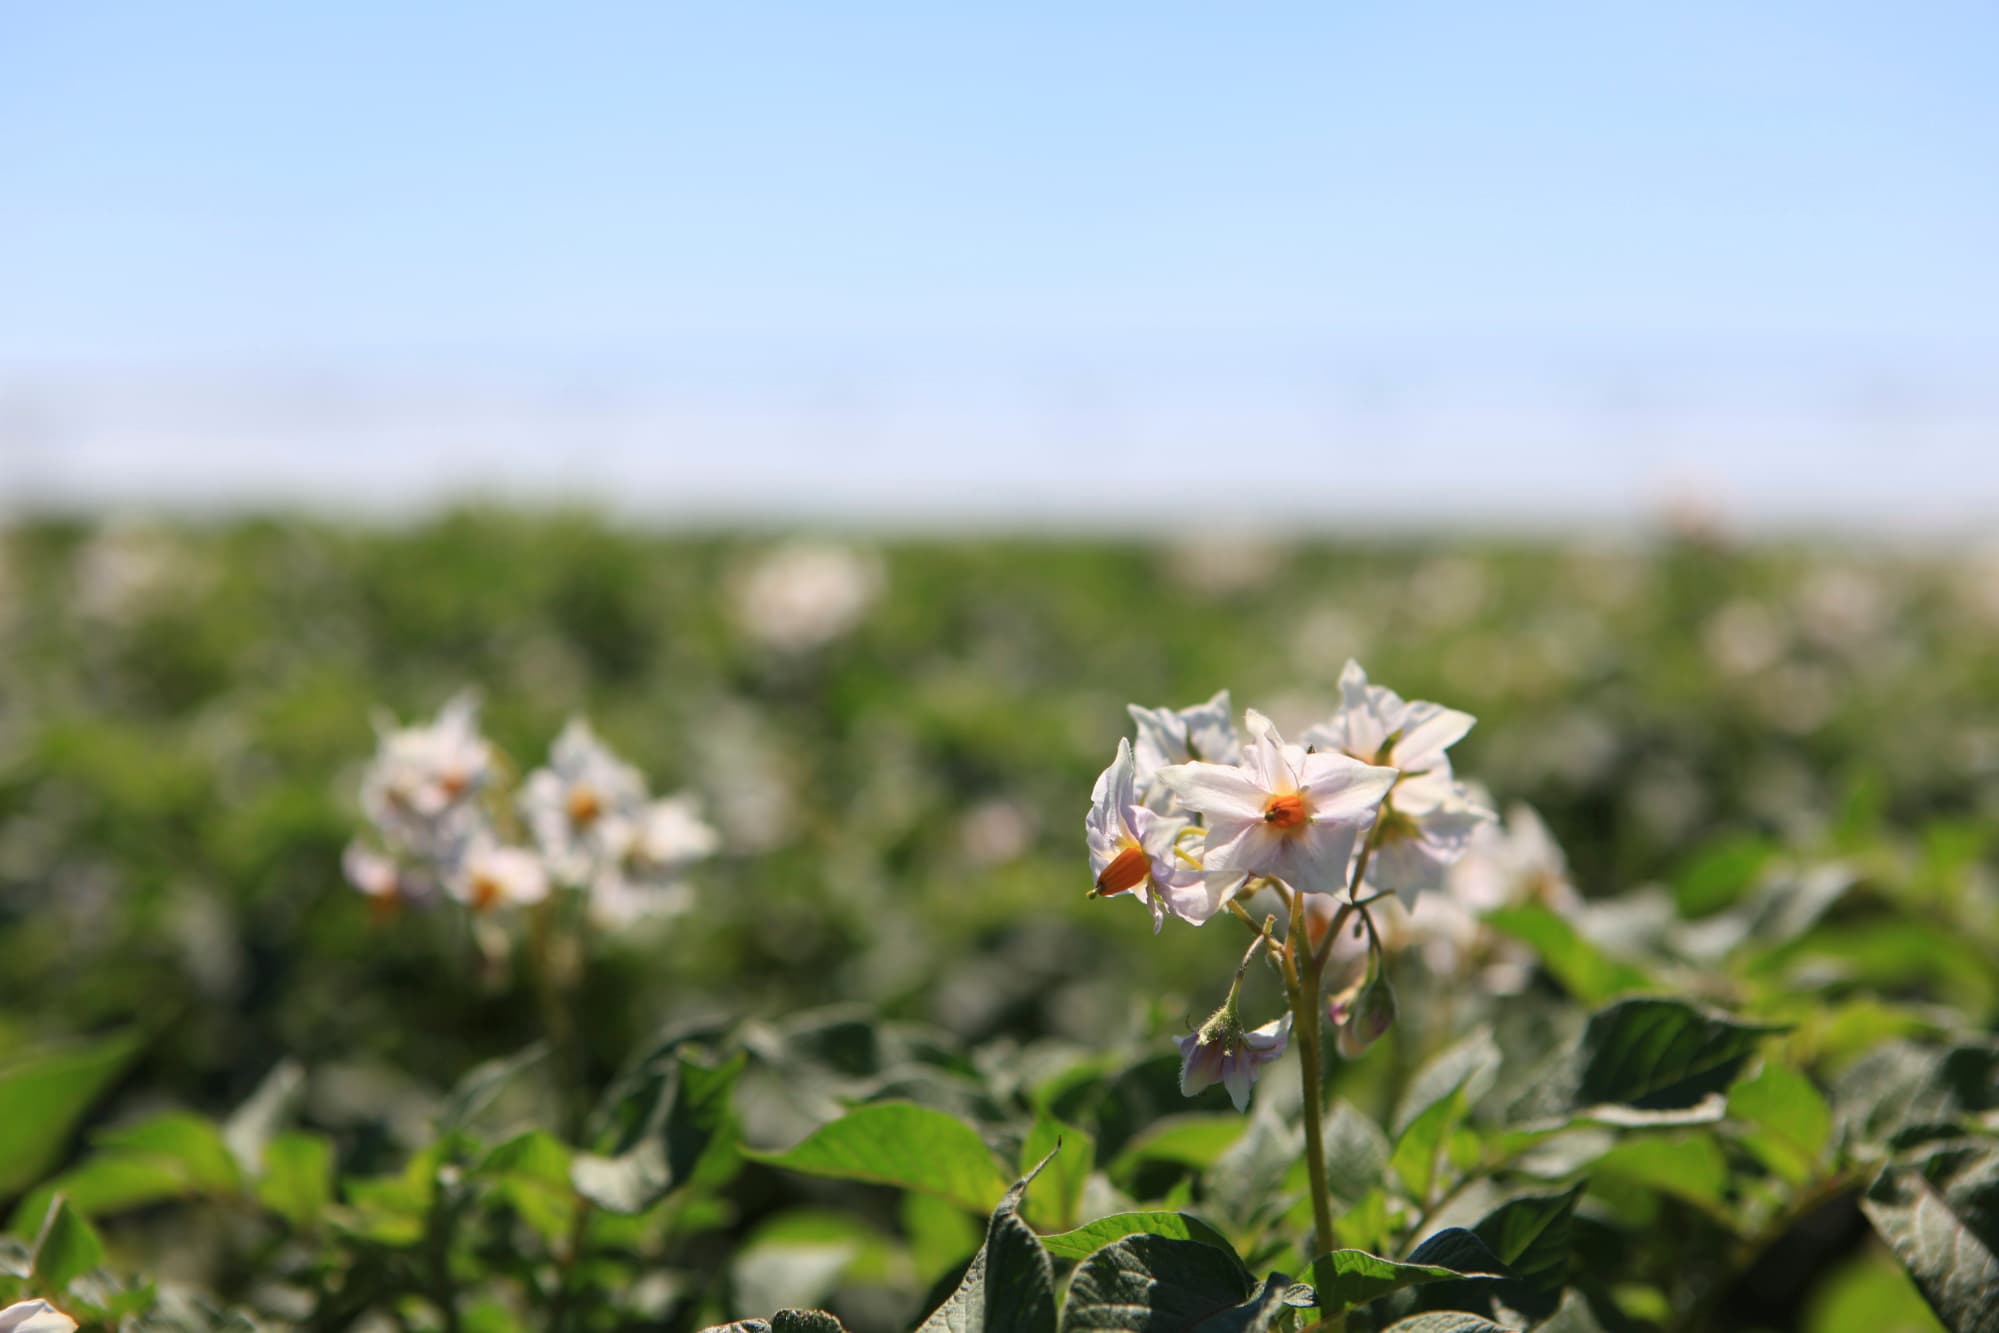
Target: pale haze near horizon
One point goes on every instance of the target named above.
(1140, 265)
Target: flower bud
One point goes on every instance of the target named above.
(1360, 1021)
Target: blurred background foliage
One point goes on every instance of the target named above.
(898, 741)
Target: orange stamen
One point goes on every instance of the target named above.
(584, 806)
(486, 892)
(454, 784)
(1131, 868)
(1286, 811)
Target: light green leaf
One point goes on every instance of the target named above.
(1585, 971)
(1418, 1158)
(1356, 1152)
(1784, 1121)
(897, 1143)
(297, 1179)
(1059, 1188)
(940, 1235)
(42, 1096)
(1197, 1141)
(1351, 1278)
(1087, 1239)
(1470, 1064)
(1689, 1167)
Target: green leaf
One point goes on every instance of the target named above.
(297, 1178)
(1941, 1217)
(66, 1249)
(1447, 1321)
(44, 1094)
(1356, 1152)
(1010, 1285)
(1584, 970)
(1055, 1203)
(1150, 1284)
(1087, 1239)
(898, 1143)
(1784, 1121)
(1352, 1278)
(1646, 1061)
(1418, 1158)
(1197, 1141)
(532, 1172)
(1471, 1064)
(784, 1321)
(940, 1234)
(1531, 1235)
(168, 1156)
(190, 1144)
(1903, 1094)
(676, 1127)
(1689, 1167)
(477, 1091)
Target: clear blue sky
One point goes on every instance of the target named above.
(219, 189)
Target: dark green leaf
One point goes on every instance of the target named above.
(685, 1122)
(1447, 1321)
(1471, 1065)
(1356, 1152)
(1904, 1094)
(1350, 1278)
(1089, 1238)
(1646, 1060)
(1150, 1284)
(1941, 1217)
(1010, 1286)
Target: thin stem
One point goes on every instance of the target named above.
(1303, 987)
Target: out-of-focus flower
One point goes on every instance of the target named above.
(582, 808)
(995, 831)
(1743, 638)
(645, 880)
(1428, 818)
(1169, 736)
(34, 1317)
(371, 872)
(1378, 726)
(1509, 864)
(1284, 812)
(489, 875)
(416, 789)
(1224, 1052)
(800, 597)
(1140, 851)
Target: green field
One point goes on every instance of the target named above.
(1773, 770)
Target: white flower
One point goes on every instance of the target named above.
(34, 1317)
(370, 871)
(799, 597)
(583, 807)
(1426, 826)
(415, 789)
(1168, 736)
(1141, 851)
(1378, 726)
(488, 875)
(1284, 812)
(1224, 1052)
(644, 878)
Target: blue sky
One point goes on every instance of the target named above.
(1777, 209)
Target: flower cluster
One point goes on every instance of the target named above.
(1192, 811)
(1192, 815)
(442, 823)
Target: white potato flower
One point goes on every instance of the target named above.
(417, 788)
(34, 1317)
(1168, 736)
(1137, 850)
(487, 875)
(1225, 1052)
(644, 879)
(583, 808)
(800, 597)
(1284, 812)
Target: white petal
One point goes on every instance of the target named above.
(1252, 848)
(1216, 790)
(34, 1317)
(1344, 790)
(1315, 859)
(1429, 730)
(1238, 1073)
(1162, 739)
(1211, 730)
(1265, 762)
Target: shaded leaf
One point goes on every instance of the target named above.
(1941, 1217)
(1350, 1278)
(43, 1095)
(1151, 1284)
(1089, 1238)
(65, 1249)
(1010, 1285)
(1585, 971)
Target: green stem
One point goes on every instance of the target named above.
(1303, 987)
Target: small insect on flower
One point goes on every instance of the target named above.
(34, 1317)
(1224, 1052)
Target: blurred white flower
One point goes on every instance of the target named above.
(1841, 607)
(416, 788)
(489, 875)
(1283, 812)
(799, 597)
(583, 807)
(35, 1317)
(1428, 818)
(1173, 736)
(1509, 864)
(994, 832)
(645, 878)
(371, 872)
(1743, 638)
(1140, 851)
(1224, 1052)
(1222, 566)
(125, 567)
